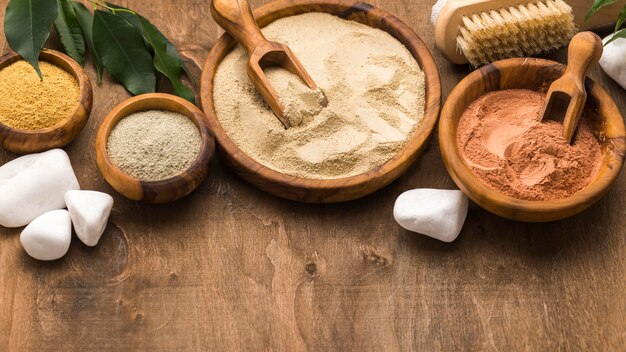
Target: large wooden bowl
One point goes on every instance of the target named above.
(535, 74)
(333, 190)
(33, 141)
(161, 191)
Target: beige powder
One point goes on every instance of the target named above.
(154, 145)
(299, 101)
(374, 87)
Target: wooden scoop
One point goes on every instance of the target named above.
(236, 18)
(566, 97)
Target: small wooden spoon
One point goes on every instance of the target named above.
(236, 18)
(566, 96)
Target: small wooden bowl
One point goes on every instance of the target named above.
(534, 74)
(333, 190)
(33, 141)
(161, 191)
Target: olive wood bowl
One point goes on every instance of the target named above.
(535, 74)
(326, 190)
(161, 191)
(33, 141)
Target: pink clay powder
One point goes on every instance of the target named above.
(505, 146)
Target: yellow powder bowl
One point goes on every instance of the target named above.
(327, 190)
(33, 141)
(535, 74)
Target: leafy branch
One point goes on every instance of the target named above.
(617, 32)
(120, 41)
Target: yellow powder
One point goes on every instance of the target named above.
(29, 103)
(374, 87)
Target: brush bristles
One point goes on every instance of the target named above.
(519, 31)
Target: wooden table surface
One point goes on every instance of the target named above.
(232, 268)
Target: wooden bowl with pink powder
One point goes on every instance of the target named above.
(601, 135)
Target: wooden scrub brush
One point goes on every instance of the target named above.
(484, 31)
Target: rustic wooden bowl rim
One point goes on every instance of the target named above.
(412, 145)
(156, 184)
(76, 71)
(473, 186)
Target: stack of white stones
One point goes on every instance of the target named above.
(35, 188)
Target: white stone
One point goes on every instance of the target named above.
(48, 236)
(613, 60)
(436, 213)
(90, 212)
(34, 184)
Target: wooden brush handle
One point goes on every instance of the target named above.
(235, 16)
(607, 15)
(583, 53)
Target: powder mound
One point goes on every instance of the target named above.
(300, 102)
(154, 145)
(500, 138)
(375, 95)
(29, 103)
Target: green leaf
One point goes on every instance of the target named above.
(619, 34)
(123, 52)
(620, 19)
(129, 15)
(27, 25)
(85, 19)
(70, 32)
(597, 5)
(166, 58)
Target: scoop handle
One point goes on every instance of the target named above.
(235, 16)
(583, 53)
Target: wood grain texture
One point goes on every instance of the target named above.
(61, 134)
(539, 75)
(232, 268)
(161, 191)
(331, 190)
